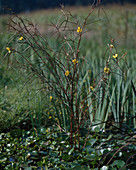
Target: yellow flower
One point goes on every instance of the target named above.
(112, 46)
(7, 48)
(50, 97)
(67, 73)
(46, 130)
(50, 117)
(60, 113)
(115, 56)
(106, 70)
(84, 81)
(91, 87)
(21, 38)
(79, 29)
(74, 61)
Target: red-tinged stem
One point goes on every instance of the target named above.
(72, 115)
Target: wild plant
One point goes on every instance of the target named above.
(57, 63)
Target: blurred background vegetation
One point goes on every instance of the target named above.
(25, 5)
(21, 106)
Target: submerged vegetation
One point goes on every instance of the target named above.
(67, 98)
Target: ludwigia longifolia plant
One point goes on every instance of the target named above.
(57, 61)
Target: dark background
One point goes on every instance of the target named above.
(29, 5)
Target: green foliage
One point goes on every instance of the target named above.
(23, 149)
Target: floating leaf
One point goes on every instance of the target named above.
(92, 141)
(71, 151)
(104, 168)
(118, 163)
(90, 157)
(40, 163)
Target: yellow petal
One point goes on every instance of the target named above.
(7, 48)
(21, 38)
(111, 45)
(106, 70)
(75, 61)
(115, 56)
(91, 87)
(67, 73)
